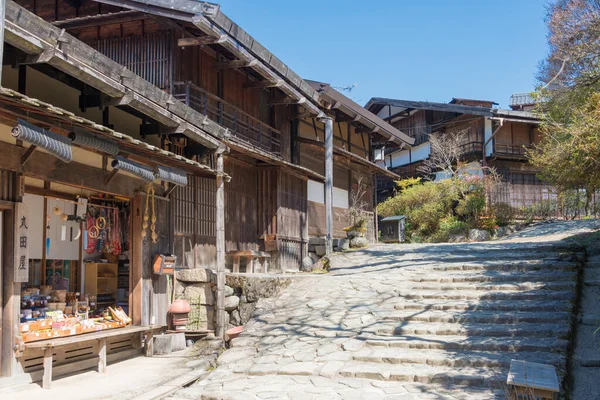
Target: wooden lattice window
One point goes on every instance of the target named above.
(194, 208)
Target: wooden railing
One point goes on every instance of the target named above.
(242, 125)
(511, 149)
(471, 147)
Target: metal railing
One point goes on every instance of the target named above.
(242, 125)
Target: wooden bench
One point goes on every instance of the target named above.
(532, 380)
(250, 256)
(47, 346)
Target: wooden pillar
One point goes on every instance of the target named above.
(375, 200)
(102, 356)
(329, 181)
(2, 18)
(11, 293)
(220, 223)
(47, 378)
(136, 264)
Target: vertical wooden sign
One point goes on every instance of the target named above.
(21, 243)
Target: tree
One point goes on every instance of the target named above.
(569, 84)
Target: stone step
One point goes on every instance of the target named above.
(495, 276)
(516, 266)
(481, 295)
(481, 377)
(491, 317)
(491, 305)
(470, 343)
(491, 286)
(472, 329)
(475, 359)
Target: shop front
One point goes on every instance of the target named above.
(82, 222)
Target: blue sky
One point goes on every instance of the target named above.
(417, 50)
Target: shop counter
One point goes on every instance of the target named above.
(97, 344)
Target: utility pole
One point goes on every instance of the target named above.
(2, 24)
(220, 223)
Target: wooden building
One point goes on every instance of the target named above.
(492, 137)
(180, 89)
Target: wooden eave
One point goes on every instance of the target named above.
(351, 157)
(360, 114)
(118, 17)
(49, 114)
(46, 43)
(212, 22)
(269, 158)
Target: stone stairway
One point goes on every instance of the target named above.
(415, 321)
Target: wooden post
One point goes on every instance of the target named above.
(102, 356)
(135, 262)
(220, 223)
(47, 379)
(329, 180)
(2, 18)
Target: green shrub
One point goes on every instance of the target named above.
(449, 226)
(504, 213)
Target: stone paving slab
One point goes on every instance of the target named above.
(406, 322)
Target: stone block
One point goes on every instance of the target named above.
(177, 341)
(257, 287)
(202, 318)
(195, 275)
(201, 292)
(321, 250)
(358, 242)
(311, 248)
(163, 344)
(314, 257)
(228, 291)
(317, 241)
(246, 310)
(307, 264)
(342, 244)
(231, 303)
(235, 318)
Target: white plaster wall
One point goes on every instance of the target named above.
(59, 250)
(316, 192)
(340, 198)
(420, 152)
(489, 149)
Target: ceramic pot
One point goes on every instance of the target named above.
(180, 306)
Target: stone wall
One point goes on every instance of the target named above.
(243, 292)
(317, 249)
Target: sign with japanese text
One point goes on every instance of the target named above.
(21, 243)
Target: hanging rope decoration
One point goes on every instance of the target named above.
(55, 144)
(153, 234)
(121, 163)
(86, 139)
(172, 175)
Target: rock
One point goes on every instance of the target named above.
(246, 310)
(311, 248)
(317, 241)
(458, 238)
(321, 250)
(307, 264)
(257, 287)
(200, 292)
(343, 244)
(314, 257)
(243, 299)
(235, 318)
(194, 275)
(179, 288)
(231, 303)
(358, 242)
(228, 291)
(353, 234)
(479, 235)
(502, 231)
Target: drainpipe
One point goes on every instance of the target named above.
(328, 121)
(2, 24)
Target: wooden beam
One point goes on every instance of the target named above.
(111, 176)
(200, 41)
(27, 155)
(46, 167)
(235, 64)
(100, 19)
(170, 190)
(264, 84)
(49, 193)
(303, 115)
(288, 101)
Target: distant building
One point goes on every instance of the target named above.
(494, 137)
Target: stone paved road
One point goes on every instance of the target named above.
(407, 322)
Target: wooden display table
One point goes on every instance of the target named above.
(250, 256)
(101, 337)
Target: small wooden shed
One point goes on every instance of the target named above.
(392, 229)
